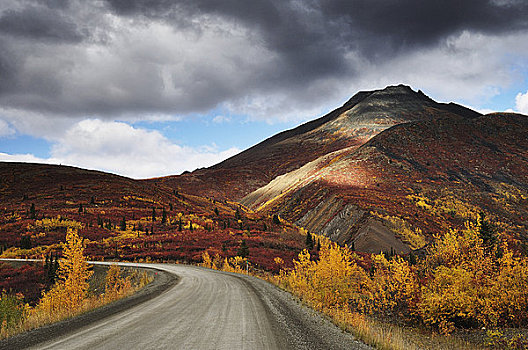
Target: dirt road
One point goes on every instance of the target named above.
(209, 309)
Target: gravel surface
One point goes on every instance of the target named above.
(203, 309)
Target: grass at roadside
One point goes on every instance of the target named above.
(18, 317)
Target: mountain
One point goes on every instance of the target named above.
(409, 182)
(387, 171)
(363, 116)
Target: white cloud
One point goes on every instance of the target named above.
(521, 102)
(220, 119)
(122, 149)
(26, 158)
(5, 129)
(455, 70)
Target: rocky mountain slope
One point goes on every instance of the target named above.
(410, 182)
(366, 114)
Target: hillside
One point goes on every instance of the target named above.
(127, 219)
(366, 114)
(410, 182)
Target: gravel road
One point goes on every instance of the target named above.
(209, 309)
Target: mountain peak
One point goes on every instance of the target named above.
(391, 92)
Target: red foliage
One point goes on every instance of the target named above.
(27, 279)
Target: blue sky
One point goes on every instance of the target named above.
(151, 88)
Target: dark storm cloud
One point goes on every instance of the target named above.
(81, 57)
(39, 23)
(289, 26)
(414, 23)
(8, 69)
(313, 37)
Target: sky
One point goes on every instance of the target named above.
(147, 88)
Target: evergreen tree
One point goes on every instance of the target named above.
(163, 216)
(32, 211)
(51, 267)
(25, 242)
(487, 232)
(276, 219)
(190, 225)
(237, 214)
(123, 226)
(80, 208)
(309, 241)
(216, 211)
(92, 200)
(243, 250)
(412, 258)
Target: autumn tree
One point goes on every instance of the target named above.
(114, 283)
(73, 274)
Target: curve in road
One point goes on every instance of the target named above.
(210, 309)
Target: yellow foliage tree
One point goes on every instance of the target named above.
(395, 286)
(334, 281)
(462, 282)
(115, 285)
(468, 285)
(71, 289)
